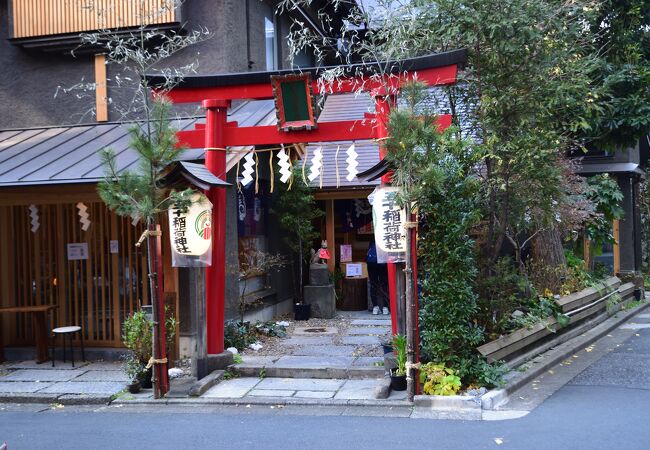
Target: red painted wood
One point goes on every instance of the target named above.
(261, 91)
(346, 130)
(215, 161)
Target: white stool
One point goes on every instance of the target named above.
(68, 331)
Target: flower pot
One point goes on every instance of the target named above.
(301, 311)
(398, 382)
(145, 379)
(134, 387)
(637, 294)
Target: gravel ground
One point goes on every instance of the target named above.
(273, 346)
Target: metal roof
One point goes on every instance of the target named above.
(63, 155)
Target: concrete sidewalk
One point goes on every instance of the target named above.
(86, 383)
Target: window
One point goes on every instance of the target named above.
(271, 43)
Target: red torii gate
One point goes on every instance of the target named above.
(215, 93)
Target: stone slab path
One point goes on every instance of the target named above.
(87, 382)
(348, 346)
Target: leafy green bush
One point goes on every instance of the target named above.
(439, 380)
(241, 334)
(238, 335)
(271, 328)
(137, 333)
(447, 272)
(500, 293)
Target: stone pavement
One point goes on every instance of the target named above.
(87, 382)
(316, 351)
(304, 388)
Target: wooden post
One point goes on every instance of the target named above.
(5, 267)
(115, 281)
(329, 234)
(586, 250)
(101, 90)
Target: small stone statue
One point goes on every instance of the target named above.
(321, 256)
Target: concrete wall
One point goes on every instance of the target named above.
(29, 80)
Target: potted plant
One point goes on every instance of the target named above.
(134, 370)
(398, 375)
(137, 337)
(301, 311)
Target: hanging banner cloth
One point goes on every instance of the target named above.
(389, 224)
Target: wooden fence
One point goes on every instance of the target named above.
(95, 293)
(33, 18)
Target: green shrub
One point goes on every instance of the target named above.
(500, 293)
(439, 380)
(238, 335)
(138, 334)
(447, 272)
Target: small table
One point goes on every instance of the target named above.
(39, 320)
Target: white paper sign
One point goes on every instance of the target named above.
(114, 246)
(77, 251)
(353, 270)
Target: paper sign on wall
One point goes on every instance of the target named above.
(77, 251)
(114, 246)
(346, 253)
(353, 270)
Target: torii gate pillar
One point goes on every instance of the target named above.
(215, 161)
(383, 104)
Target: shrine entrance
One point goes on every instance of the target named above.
(297, 127)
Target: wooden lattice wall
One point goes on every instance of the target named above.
(47, 17)
(96, 293)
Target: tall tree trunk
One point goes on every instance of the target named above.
(547, 252)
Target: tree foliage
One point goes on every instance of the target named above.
(543, 78)
(296, 211)
(436, 175)
(140, 194)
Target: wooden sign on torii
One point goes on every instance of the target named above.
(215, 93)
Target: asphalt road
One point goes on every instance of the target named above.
(606, 406)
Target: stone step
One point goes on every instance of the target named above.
(318, 367)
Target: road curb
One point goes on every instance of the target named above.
(265, 401)
(554, 356)
(63, 399)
